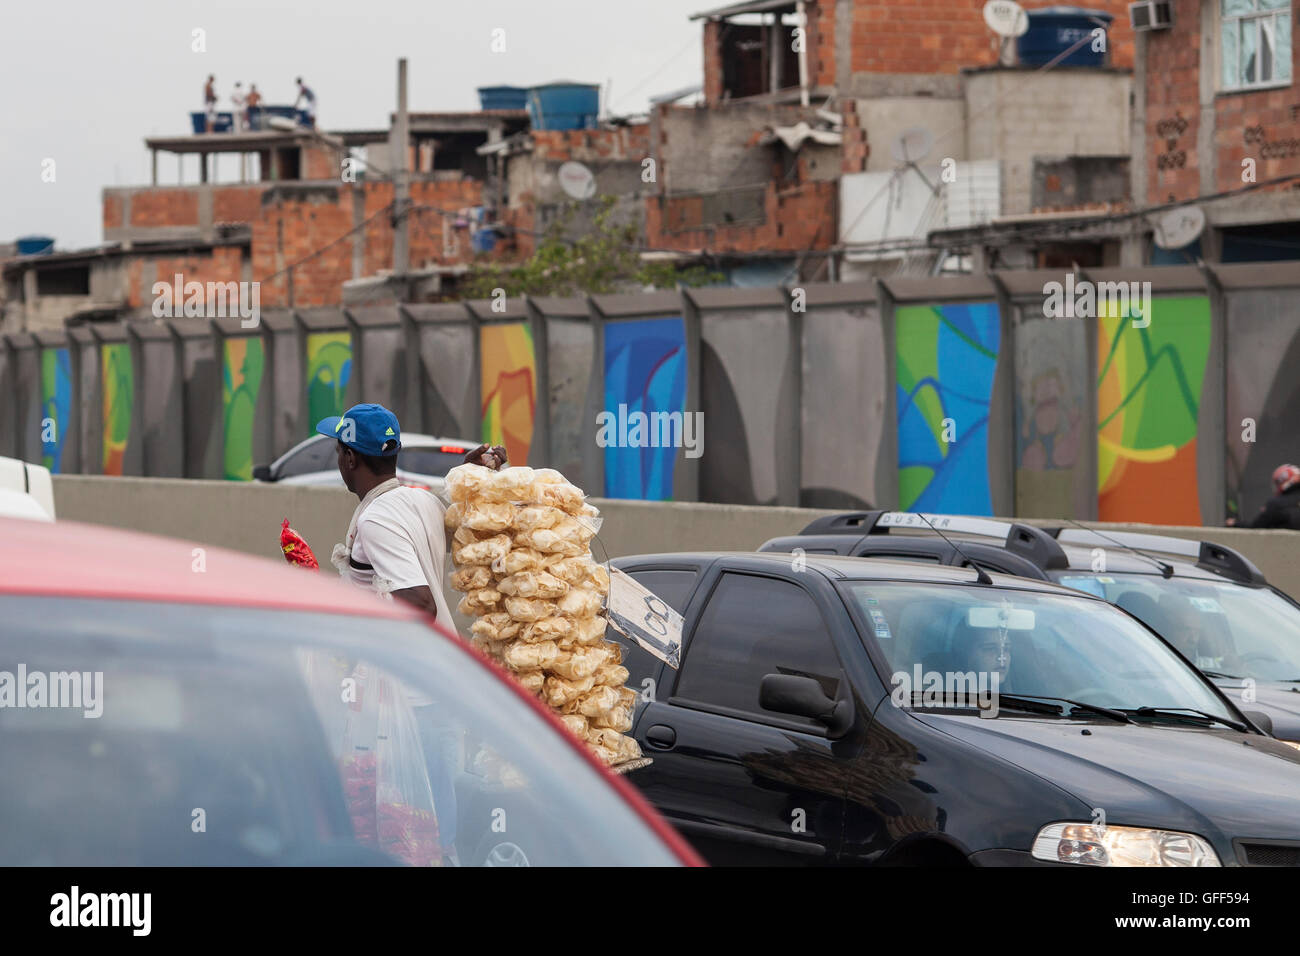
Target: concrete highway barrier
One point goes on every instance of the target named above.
(246, 517)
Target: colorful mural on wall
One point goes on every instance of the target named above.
(56, 406)
(1051, 418)
(118, 375)
(241, 380)
(509, 388)
(946, 356)
(1148, 399)
(645, 371)
(329, 368)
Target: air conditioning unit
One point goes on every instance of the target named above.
(1151, 15)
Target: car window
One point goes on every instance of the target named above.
(318, 455)
(754, 626)
(1035, 644)
(431, 461)
(228, 736)
(1219, 626)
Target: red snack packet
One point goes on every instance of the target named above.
(295, 548)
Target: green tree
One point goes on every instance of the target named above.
(604, 259)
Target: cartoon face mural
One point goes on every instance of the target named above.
(241, 381)
(645, 371)
(329, 368)
(118, 376)
(509, 388)
(56, 406)
(1148, 398)
(946, 357)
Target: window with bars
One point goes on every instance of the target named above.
(1254, 43)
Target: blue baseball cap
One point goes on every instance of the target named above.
(369, 429)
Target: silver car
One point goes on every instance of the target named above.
(423, 461)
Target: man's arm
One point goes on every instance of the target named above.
(420, 596)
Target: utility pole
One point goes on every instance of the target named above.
(399, 143)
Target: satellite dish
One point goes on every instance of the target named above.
(912, 145)
(1179, 227)
(1006, 18)
(577, 181)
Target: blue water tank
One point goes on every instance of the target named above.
(564, 106)
(1053, 30)
(502, 98)
(34, 245)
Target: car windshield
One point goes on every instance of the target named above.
(157, 734)
(1025, 643)
(1224, 628)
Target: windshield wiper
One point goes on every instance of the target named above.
(1187, 713)
(1221, 675)
(1119, 715)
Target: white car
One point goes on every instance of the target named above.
(423, 461)
(26, 490)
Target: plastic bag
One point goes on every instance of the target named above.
(295, 548)
(530, 657)
(527, 610)
(533, 584)
(471, 578)
(532, 517)
(547, 629)
(466, 482)
(487, 516)
(385, 779)
(580, 603)
(481, 552)
(509, 484)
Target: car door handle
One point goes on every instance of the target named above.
(661, 736)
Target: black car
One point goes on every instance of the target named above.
(1207, 599)
(804, 726)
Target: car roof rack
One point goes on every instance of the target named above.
(1027, 541)
(1209, 555)
(848, 522)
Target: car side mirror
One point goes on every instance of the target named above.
(262, 473)
(1260, 719)
(804, 697)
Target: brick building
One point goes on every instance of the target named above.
(1215, 119)
(804, 104)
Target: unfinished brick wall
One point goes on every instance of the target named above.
(796, 218)
(293, 225)
(1263, 125)
(592, 145)
(165, 206)
(222, 264)
(236, 203)
(945, 36)
(112, 211)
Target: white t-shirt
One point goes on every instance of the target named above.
(401, 537)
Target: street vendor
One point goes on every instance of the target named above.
(394, 542)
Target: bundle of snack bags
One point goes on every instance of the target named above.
(520, 541)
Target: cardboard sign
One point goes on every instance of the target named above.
(646, 618)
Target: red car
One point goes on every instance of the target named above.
(167, 704)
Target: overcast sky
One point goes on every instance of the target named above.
(83, 82)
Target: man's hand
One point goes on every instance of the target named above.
(420, 596)
(489, 456)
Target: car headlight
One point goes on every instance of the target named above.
(1121, 846)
